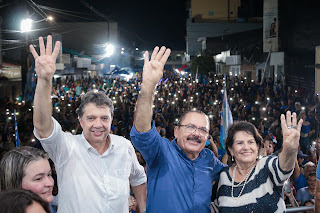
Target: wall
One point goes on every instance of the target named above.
(214, 10)
(198, 30)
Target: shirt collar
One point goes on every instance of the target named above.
(88, 146)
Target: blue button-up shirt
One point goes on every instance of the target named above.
(176, 183)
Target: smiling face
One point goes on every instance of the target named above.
(38, 179)
(244, 148)
(96, 123)
(312, 182)
(192, 143)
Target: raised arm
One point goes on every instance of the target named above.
(45, 68)
(291, 136)
(152, 73)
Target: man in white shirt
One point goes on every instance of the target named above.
(95, 168)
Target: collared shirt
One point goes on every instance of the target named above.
(88, 181)
(175, 182)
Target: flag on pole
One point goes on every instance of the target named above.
(226, 117)
(197, 75)
(16, 130)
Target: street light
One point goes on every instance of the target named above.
(109, 50)
(26, 25)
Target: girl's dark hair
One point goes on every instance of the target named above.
(241, 126)
(17, 200)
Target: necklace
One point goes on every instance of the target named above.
(245, 180)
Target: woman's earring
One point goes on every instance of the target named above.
(232, 158)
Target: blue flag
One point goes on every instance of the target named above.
(16, 130)
(226, 118)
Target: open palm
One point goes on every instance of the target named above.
(291, 130)
(45, 63)
(153, 69)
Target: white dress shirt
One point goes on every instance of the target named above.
(89, 182)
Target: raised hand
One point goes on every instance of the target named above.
(153, 69)
(45, 63)
(291, 131)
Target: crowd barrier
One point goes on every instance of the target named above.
(300, 209)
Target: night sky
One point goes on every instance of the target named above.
(142, 23)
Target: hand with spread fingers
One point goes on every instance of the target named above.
(291, 130)
(153, 69)
(291, 136)
(45, 63)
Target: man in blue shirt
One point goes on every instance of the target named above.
(180, 173)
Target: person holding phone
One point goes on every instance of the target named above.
(289, 194)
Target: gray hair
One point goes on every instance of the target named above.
(309, 164)
(97, 98)
(13, 165)
(183, 116)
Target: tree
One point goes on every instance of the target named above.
(204, 64)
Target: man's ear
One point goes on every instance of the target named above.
(176, 129)
(80, 121)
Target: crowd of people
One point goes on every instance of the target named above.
(169, 96)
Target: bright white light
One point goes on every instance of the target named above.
(137, 48)
(26, 25)
(122, 52)
(50, 18)
(109, 50)
(122, 49)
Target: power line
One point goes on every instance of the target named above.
(60, 10)
(94, 10)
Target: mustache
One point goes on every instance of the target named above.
(195, 138)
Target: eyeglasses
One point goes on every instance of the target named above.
(190, 128)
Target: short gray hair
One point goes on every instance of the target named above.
(13, 165)
(97, 98)
(183, 116)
